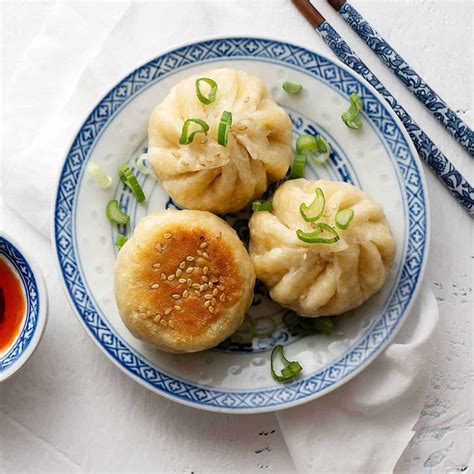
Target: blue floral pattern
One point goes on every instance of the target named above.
(429, 153)
(433, 102)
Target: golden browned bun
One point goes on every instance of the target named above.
(184, 281)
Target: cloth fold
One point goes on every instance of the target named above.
(80, 53)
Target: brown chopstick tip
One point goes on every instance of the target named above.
(337, 4)
(314, 18)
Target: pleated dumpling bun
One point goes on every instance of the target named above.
(321, 279)
(184, 281)
(205, 175)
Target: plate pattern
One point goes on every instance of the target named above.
(16, 259)
(376, 113)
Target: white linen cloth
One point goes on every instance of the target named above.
(83, 49)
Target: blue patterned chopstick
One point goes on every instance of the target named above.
(427, 150)
(415, 83)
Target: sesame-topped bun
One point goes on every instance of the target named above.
(184, 281)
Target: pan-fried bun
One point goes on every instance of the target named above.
(184, 281)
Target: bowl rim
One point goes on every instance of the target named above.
(42, 315)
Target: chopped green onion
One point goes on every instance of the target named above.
(258, 206)
(264, 332)
(141, 166)
(344, 218)
(306, 143)
(186, 139)
(292, 88)
(304, 325)
(211, 96)
(351, 117)
(98, 174)
(289, 371)
(129, 179)
(115, 214)
(315, 237)
(224, 127)
(321, 154)
(120, 240)
(316, 208)
(299, 164)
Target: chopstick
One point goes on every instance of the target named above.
(428, 151)
(414, 82)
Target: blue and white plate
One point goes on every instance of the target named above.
(233, 378)
(34, 319)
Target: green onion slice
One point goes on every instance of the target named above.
(141, 164)
(129, 179)
(321, 154)
(291, 368)
(186, 139)
(120, 240)
(344, 218)
(315, 210)
(211, 96)
(115, 214)
(304, 325)
(292, 88)
(264, 327)
(258, 206)
(324, 234)
(224, 127)
(299, 164)
(351, 117)
(306, 143)
(101, 178)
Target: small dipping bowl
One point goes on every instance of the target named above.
(23, 307)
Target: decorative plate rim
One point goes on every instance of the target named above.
(36, 318)
(210, 393)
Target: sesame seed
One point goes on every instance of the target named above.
(203, 245)
(163, 276)
(196, 286)
(213, 301)
(205, 255)
(204, 287)
(157, 318)
(155, 286)
(222, 297)
(221, 279)
(220, 287)
(190, 270)
(199, 252)
(211, 309)
(163, 323)
(182, 265)
(156, 265)
(167, 236)
(178, 272)
(211, 285)
(167, 311)
(198, 294)
(176, 296)
(207, 303)
(207, 296)
(159, 248)
(189, 282)
(185, 293)
(205, 270)
(214, 293)
(189, 258)
(170, 277)
(182, 280)
(171, 323)
(204, 278)
(177, 307)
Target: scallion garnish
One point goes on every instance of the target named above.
(264, 327)
(314, 211)
(120, 240)
(186, 139)
(292, 88)
(129, 179)
(304, 325)
(211, 96)
(291, 368)
(258, 206)
(306, 143)
(141, 166)
(101, 178)
(224, 127)
(315, 147)
(344, 218)
(115, 214)
(323, 234)
(299, 164)
(351, 117)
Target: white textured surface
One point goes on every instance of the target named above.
(64, 421)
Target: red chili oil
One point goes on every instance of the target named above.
(12, 305)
